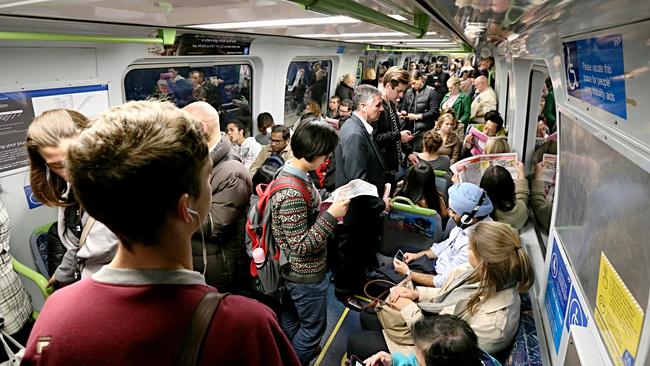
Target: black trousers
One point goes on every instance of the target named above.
(21, 337)
(360, 239)
(370, 339)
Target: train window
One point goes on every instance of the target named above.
(226, 87)
(540, 149)
(306, 81)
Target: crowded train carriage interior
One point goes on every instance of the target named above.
(382, 176)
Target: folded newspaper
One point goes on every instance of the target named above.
(355, 188)
(549, 161)
(472, 169)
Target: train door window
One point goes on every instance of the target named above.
(360, 74)
(540, 143)
(226, 87)
(307, 81)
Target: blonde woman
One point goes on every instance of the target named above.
(451, 143)
(484, 292)
(457, 100)
(369, 77)
(48, 138)
(497, 146)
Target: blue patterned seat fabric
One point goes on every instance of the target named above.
(525, 348)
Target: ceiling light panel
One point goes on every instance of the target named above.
(277, 23)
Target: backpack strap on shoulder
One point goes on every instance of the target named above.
(291, 182)
(189, 351)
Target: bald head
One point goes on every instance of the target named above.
(481, 83)
(209, 118)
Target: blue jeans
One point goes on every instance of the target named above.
(304, 317)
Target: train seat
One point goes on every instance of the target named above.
(524, 350)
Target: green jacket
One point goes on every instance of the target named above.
(461, 106)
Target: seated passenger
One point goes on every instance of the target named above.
(443, 340)
(279, 146)
(493, 127)
(224, 230)
(246, 147)
(345, 111)
(420, 188)
(541, 201)
(468, 205)
(430, 154)
(497, 146)
(484, 292)
(48, 138)
(264, 124)
(451, 143)
(302, 234)
(510, 198)
(139, 306)
(15, 303)
(333, 107)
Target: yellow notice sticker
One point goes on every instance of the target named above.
(618, 316)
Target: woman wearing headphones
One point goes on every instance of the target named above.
(468, 204)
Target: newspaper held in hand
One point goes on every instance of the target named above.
(471, 169)
(549, 161)
(355, 188)
(480, 140)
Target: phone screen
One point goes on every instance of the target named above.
(355, 361)
(399, 255)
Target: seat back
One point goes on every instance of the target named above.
(38, 244)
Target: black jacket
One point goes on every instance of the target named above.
(387, 139)
(425, 102)
(344, 92)
(358, 157)
(442, 79)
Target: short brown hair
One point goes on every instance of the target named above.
(130, 168)
(48, 130)
(396, 76)
(431, 141)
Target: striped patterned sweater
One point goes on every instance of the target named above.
(297, 226)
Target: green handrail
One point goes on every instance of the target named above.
(166, 36)
(37, 278)
(366, 14)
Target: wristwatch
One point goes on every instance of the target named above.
(408, 273)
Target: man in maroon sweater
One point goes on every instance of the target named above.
(142, 169)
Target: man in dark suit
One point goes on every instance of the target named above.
(358, 157)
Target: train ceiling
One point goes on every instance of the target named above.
(413, 24)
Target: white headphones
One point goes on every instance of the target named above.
(192, 212)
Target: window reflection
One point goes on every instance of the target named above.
(306, 81)
(226, 87)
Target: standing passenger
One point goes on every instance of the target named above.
(48, 138)
(143, 170)
(246, 148)
(358, 157)
(302, 233)
(388, 132)
(224, 229)
(264, 124)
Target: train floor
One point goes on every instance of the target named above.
(341, 322)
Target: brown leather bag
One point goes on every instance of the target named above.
(190, 349)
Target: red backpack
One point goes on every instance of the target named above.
(268, 275)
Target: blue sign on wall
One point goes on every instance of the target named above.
(557, 294)
(576, 314)
(32, 202)
(595, 72)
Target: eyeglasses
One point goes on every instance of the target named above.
(57, 166)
